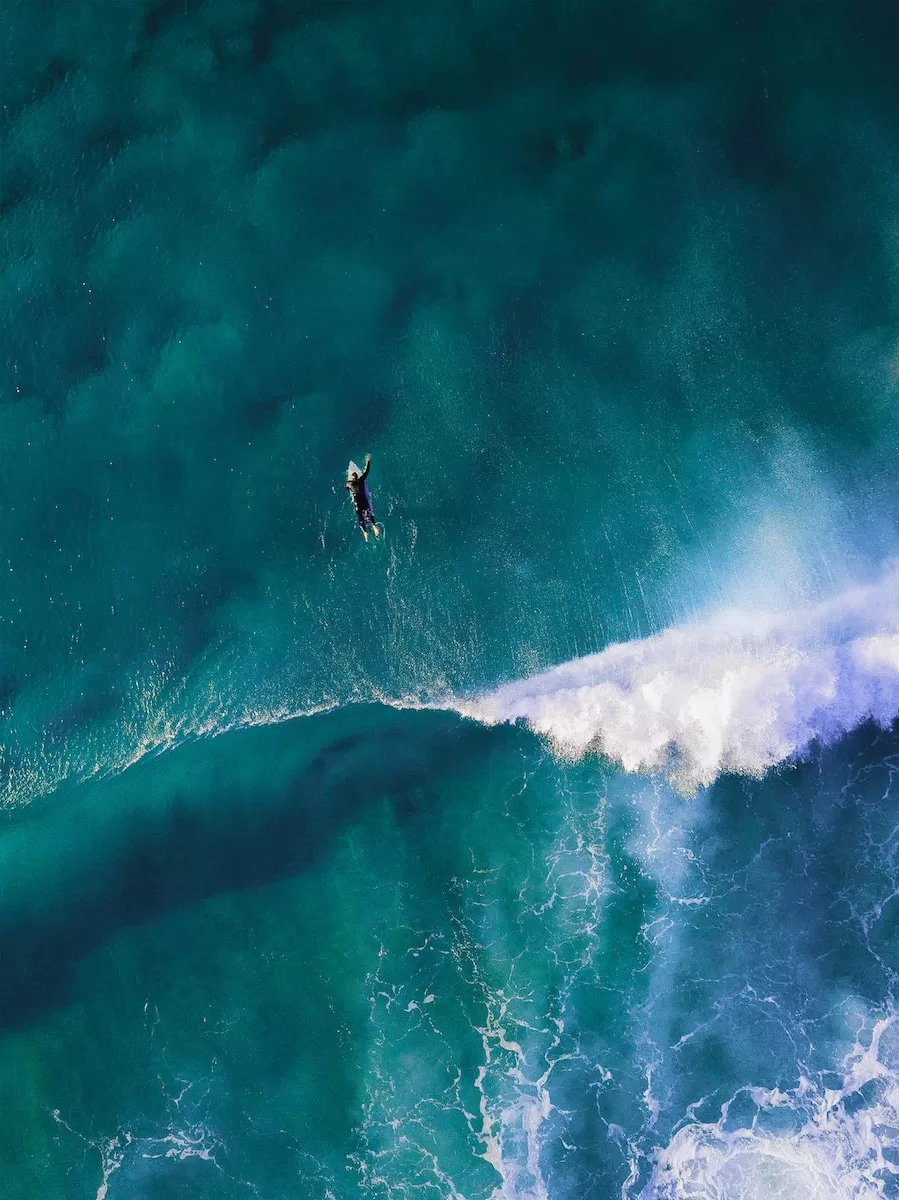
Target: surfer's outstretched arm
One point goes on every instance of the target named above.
(367, 466)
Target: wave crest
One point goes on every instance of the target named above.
(737, 692)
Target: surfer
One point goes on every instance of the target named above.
(358, 489)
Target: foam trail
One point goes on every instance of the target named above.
(737, 692)
(837, 1150)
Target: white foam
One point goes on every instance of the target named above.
(736, 692)
(839, 1151)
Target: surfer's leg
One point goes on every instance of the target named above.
(374, 528)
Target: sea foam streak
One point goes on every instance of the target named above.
(736, 692)
(837, 1149)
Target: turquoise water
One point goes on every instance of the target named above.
(545, 848)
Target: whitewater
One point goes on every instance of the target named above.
(735, 692)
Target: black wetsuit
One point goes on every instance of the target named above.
(358, 489)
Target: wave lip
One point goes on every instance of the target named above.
(737, 692)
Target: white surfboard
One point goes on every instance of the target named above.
(352, 470)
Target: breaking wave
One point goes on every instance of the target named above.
(736, 692)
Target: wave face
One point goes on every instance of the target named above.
(737, 692)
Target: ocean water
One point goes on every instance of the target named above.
(546, 848)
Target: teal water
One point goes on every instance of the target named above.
(545, 848)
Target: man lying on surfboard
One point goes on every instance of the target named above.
(358, 489)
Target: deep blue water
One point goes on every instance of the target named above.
(544, 848)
